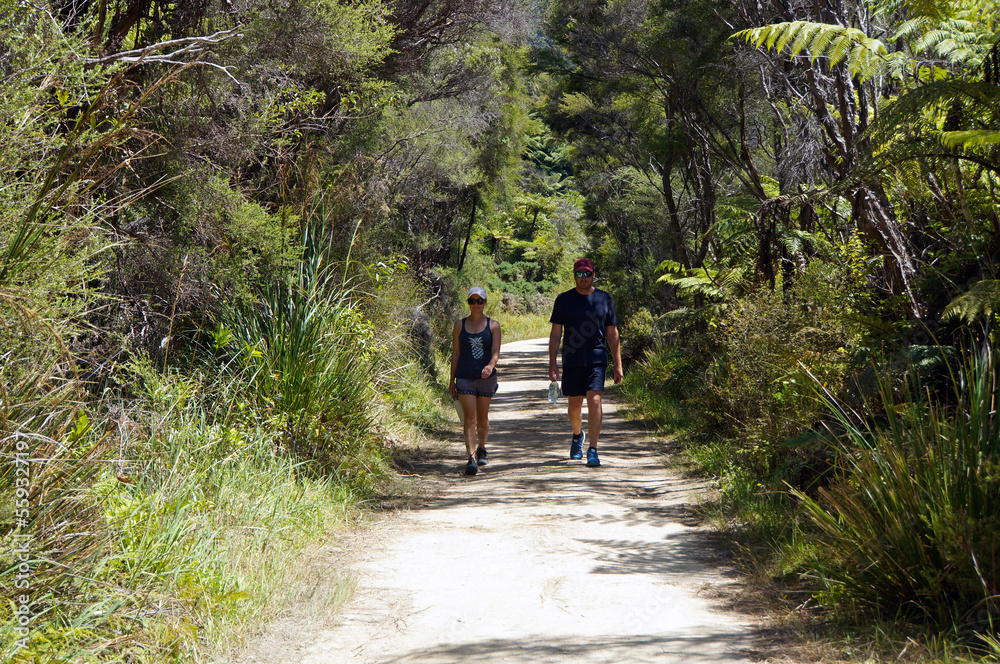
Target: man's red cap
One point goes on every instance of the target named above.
(583, 264)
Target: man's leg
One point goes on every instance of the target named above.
(575, 411)
(595, 416)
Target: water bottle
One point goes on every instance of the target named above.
(553, 391)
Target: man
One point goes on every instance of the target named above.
(583, 318)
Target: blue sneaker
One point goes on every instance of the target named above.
(592, 459)
(576, 447)
(482, 458)
(471, 468)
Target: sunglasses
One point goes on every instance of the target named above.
(583, 274)
(473, 300)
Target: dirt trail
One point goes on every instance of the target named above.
(537, 558)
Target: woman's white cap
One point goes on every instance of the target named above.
(477, 290)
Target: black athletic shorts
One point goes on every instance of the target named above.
(577, 381)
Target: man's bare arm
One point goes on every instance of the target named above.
(555, 336)
(614, 345)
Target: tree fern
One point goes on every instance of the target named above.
(924, 107)
(980, 301)
(865, 56)
(957, 41)
(715, 284)
(912, 29)
(794, 240)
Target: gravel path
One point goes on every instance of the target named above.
(538, 558)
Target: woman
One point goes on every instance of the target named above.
(474, 356)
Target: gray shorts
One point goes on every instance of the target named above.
(481, 387)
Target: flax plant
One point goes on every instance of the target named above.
(912, 527)
(304, 352)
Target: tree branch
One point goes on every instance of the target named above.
(185, 45)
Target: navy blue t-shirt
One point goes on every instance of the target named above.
(584, 319)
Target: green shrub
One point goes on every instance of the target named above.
(245, 246)
(758, 388)
(661, 382)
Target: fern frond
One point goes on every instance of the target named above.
(971, 139)
(670, 267)
(797, 30)
(838, 50)
(958, 41)
(730, 280)
(980, 301)
(911, 28)
(866, 57)
(898, 64)
(821, 43)
(695, 286)
(709, 283)
(794, 240)
(802, 41)
(682, 316)
(910, 109)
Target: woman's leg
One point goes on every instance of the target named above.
(469, 408)
(483, 419)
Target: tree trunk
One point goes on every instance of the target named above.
(674, 220)
(468, 233)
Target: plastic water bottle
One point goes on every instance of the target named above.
(553, 391)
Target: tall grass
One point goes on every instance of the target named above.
(49, 452)
(912, 527)
(197, 538)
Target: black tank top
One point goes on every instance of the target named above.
(475, 351)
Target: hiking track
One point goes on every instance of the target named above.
(537, 558)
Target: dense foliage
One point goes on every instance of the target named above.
(233, 236)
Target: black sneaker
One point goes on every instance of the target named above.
(576, 446)
(481, 457)
(471, 468)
